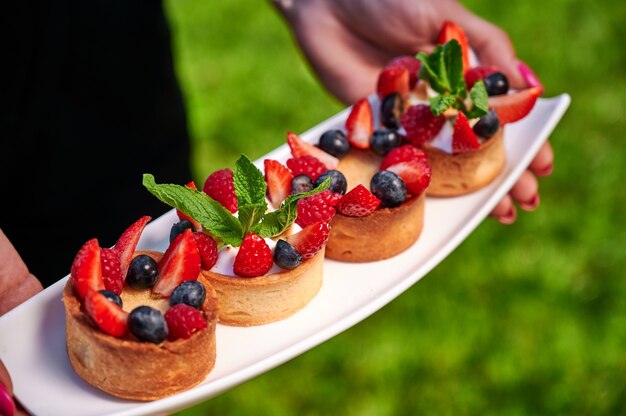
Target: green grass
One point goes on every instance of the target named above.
(526, 319)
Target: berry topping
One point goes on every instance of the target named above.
(393, 79)
(183, 321)
(451, 31)
(207, 247)
(477, 73)
(463, 138)
(107, 315)
(306, 165)
(391, 109)
(189, 292)
(301, 184)
(254, 257)
(113, 297)
(278, 179)
(147, 324)
(360, 124)
(301, 148)
(389, 188)
(86, 269)
(311, 239)
(318, 207)
(180, 262)
(414, 173)
(111, 271)
(220, 186)
(488, 125)
(513, 107)
(411, 64)
(402, 154)
(421, 124)
(127, 243)
(338, 182)
(182, 216)
(142, 273)
(384, 140)
(496, 84)
(178, 228)
(286, 256)
(359, 202)
(335, 142)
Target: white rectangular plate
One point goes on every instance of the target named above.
(32, 336)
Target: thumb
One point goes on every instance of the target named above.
(7, 405)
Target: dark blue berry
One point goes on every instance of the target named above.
(112, 296)
(335, 142)
(384, 140)
(189, 292)
(488, 125)
(301, 183)
(338, 183)
(389, 188)
(391, 110)
(179, 227)
(142, 273)
(496, 84)
(147, 324)
(286, 256)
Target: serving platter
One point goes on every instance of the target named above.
(32, 336)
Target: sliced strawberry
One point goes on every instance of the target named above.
(412, 64)
(254, 257)
(402, 154)
(393, 79)
(359, 202)
(183, 321)
(196, 225)
(450, 31)
(207, 247)
(463, 139)
(86, 269)
(107, 316)
(360, 124)
(220, 186)
(301, 148)
(415, 173)
(476, 73)
(421, 124)
(278, 179)
(180, 262)
(311, 239)
(318, 207)
(127, 243)
(306, 165)
(515, 106)
(111, 271)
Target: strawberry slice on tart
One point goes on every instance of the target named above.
(127, 243)
(360, 124)
(393, 79)
(359, 202)
(180, 262)
(107, 315)
(278, 179)
(86, 269)
(301, 148)
(515, 106)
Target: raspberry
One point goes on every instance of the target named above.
(254, 257)
(402, 154)
(421, 124)
(111, 271)
(183, 321)
(318, 207)
(220, 186)
(208, 250)
(306, 165)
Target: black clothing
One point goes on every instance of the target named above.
(90, 103)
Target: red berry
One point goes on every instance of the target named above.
(306, 165)
(359, 202)
(86, 269)
(254, 257)
(402, 154)
(421, 124)
(183, 321)
(180, 262)
(301, 148)
(127, 243)
(476, 73)
(182, 216)
(207, 247)
(221, 187)
(111, 271)
(318, 207)
(360, 124)
(107, 316)
(463, 139)
(451, 31)
(393, 79)
(311, 239)
(513, 107)
(415, 173)
(278, 179)
(412, 64)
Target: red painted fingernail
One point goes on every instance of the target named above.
(531, 204)
(531, 79)
(7, 405)
(545, 171)
(509, 217)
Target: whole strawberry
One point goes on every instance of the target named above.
(421, 124)
(111, 271)
(306, 165)
(183, 321)
(318, 207)
(254, 257)
(220, 186)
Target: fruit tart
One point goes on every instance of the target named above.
(267, 268)
(140, 325)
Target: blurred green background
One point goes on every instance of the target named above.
(524, 319)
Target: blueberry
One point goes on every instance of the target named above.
(384, 140)
(143, 272)
(112, 296)
(286, 256)
(338, 183)
(335, 142)
(389, 188)
(496, 84)
(488, 125)
(391, 110)
(179, 227)
(189, 292)
(147, 324)
(301, 183)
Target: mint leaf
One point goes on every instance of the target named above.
(198, 205)
(453, 58)
(433, 70)
(250, 185)
(250, 215)
(441, 103)
(478, 95)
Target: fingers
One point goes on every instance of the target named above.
(543, 163)
(525, 192)
(7, 405)
(505, 211)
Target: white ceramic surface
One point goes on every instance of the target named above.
(32, 336)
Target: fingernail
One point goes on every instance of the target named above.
(509, 217)
(531, 79)
(545, 171)
(7, 405)
(530, 204)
